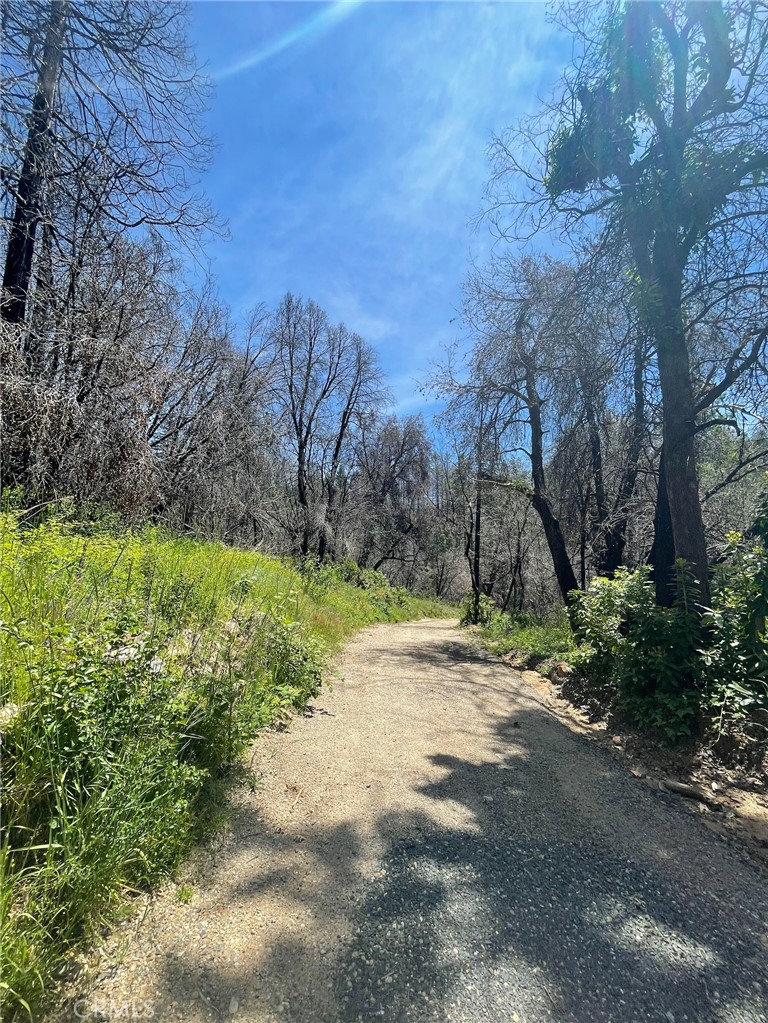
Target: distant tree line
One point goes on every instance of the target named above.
(610, 404)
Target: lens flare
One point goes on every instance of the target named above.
(330, 15)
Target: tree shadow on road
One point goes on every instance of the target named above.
(563, 891)
(478, 926)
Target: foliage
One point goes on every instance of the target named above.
(676, 669)
(534, 639)
(339, 583)
(138, 666)
(478, 610)
(735, 662)
(680, 670)
(647, 655)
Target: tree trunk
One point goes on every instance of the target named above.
(662, 553)
(661, 266)
(679, 429)
(616, 535)
(596, 458)
(476, 583)
(303, 492)
(566, 579)
(29, 189)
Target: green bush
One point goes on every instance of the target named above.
(534, 639)
(480, 610)
(648, 656)
(339, 585)
(98, 796)
(598, 617)
(735, 661)
(681, 668)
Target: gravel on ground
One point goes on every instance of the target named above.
(429, 843)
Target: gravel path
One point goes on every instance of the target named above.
(432, 844)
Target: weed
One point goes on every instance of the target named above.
(533, 639)
(184, 894)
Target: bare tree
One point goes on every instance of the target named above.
(393, 462)
(102, 104)
(517, 311)
(324, 378)
(659, 134)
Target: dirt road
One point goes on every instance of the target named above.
(431, 844)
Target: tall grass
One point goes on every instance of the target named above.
(137, 667)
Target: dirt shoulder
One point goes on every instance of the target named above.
(733, 803)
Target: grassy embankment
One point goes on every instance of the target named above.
(532, 641)
(137, 668)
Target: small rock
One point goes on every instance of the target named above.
(561, 672)
(234, 1005)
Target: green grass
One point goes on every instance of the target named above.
(536, 641)
(137, 668)
(535, 644)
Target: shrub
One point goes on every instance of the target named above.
(647, 656)
(98, 795)
(534, 639)
(478, 611)
(735, 661)
(598, 617)
(658, 666)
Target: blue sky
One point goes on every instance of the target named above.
(351, 155)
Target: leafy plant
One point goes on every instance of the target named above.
(647, 656)
(735, 660)
(534, 639)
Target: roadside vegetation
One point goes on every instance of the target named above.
(682, 672)
(531, 640)
(137, 668)
(593, 474)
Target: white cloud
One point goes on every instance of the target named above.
(342, 302)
